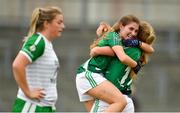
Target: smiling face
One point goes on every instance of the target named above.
(129, 31)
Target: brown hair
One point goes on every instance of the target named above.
(125, 20)
(39, 16)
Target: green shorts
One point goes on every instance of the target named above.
(24, 106)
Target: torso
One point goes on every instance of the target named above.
(99, 63)
(42, 72)
(118, 73)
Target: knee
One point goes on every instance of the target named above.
(122, 101)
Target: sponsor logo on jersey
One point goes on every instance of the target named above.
(32, 48)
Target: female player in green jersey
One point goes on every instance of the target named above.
(119, 74)
(36, 65)
(90, 82)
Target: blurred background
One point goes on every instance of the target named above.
(157, 90)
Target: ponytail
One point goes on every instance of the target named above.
(34, 19)
(39, 16)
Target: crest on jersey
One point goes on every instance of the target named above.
(32, 48)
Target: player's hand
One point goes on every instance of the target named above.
(103, 27)
(37, 94)
(132, 43)
(100, 30)
(138, 67)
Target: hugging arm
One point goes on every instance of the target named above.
(137, 43)
(125, 59)
(118, 50)
(147, 48)
(106, 50)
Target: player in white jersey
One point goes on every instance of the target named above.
(36, 65)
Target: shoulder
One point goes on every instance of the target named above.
(114, 39)
(34, 46)
(35, 39)
(113, 34)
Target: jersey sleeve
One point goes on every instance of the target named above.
(114, 39)
(33, 48)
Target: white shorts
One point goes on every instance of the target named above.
(86, 81)
(100, 106)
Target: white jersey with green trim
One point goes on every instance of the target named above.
(43, 70)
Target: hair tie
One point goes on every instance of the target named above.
(40, 11)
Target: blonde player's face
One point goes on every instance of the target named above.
(129, 31)
(57, 26)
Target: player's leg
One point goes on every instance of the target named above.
(130, 105)
(99, 106)
(94, 85)
(89, 104)
(82, 86)
(107, 92)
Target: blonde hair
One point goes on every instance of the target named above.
(39, 16)
(146, 30)
(146, 34)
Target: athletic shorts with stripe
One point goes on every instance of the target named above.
(100, 106)
(86, 81)
(22, 106)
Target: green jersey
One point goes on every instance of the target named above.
(118, 73)
(99, 63)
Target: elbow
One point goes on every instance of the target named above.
(15, 66)
(93, 53)
(151, 51)
(16, 69)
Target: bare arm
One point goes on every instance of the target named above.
(106, 50)
(125, 59)
(19, 66)
(147, 48)
(102, 28)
